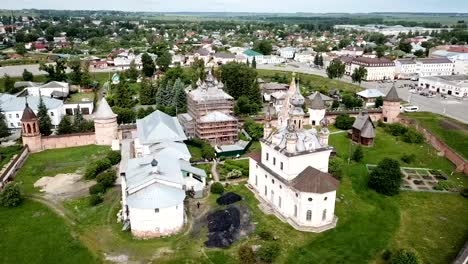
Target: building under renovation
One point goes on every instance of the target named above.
(210, 113)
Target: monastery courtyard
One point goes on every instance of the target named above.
(369, 223)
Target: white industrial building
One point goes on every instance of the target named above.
(415, 68)
(455, 85)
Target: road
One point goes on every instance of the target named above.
(17, 70)
(451, 107)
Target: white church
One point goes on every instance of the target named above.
(290, 175)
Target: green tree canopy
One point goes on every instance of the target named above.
(336, 69)
(359, 74)
(180, 98)
(65, 126)
(45, 123)
(27, 76)
(55, 72)
(132, 72)
(263, 46)
(386, 177)
(148, 65)
(4, 131)
(164, 60)
(148, 90)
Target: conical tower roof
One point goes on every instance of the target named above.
(317, 103)
(104, 111)
(28, 114)
(392, 95)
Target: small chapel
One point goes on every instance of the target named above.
(290, 175)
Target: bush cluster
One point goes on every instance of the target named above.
(114, 157)
(98, 166)
(408, 135)
(217, 188)
(335, 167)
(11, 196)
(104, 180)
(344, 122)
(246, 255)
(269, 252)
(386, 177)
(408, 158)
(403, 256)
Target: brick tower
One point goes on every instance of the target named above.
(391, 106)
(30, 133)
(105, 124)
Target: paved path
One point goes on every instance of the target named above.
(214, 172)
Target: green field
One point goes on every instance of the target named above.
(55, 161)
(316, 82)
(433, 224)
(32, 233)
(454, 133)
(6, 153)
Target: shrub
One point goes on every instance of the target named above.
(114, 157)
(408, 158)
(246, 255)
(217, 188)
(403, 256)
(358, 154)
(97, 189)
(464, 192)
(269, 252)
(386, 255)
(97, 167)
(234, 174)
(95, 199)
(335, 167)
(386, 177)
(413, 136)
(107, 179)
(11, 196)
(396, 129)
(344, 122)
(265, 235)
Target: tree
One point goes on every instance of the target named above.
(241, 80)
(11, 196)
(244, 106)
(148, 65)
(254, 63)
(403, 256)
(316, 60)
(263, 46)
(45, 123)
(335, 167)
(132, 72)
(122, 97)
(164, 60)
(55, 73)
(4, 130)
(336, 69)
(378, 102)
(320, 60)
(164, 96)
(8, 83)
(405, 46)
(208, 152)
(27, 76)
(76, 74)
(180, 98)
(344, 121)
(268, 252)
(65, 126)
(254, 129)
(380, 51)
(419, 53)
(124, 115)
(217, 188)
(78, 120)
(359, 74)
(358, 154)
(148, 90)
(351, 102)
(386, 177)
(20, 49)
(335, 104)
(344, 43)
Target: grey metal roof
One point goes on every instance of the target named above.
(21, 84)
(370, 93)
(156, 195)
(317, 102)
(104, 111)
(159, 127)
(16, 104)
(392, 95)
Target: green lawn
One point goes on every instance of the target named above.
(454, 133)
(316, 82)
(55, 161)
(32, 233)
(432, 224)
(79, 97)
(6, 153)
(230, 164)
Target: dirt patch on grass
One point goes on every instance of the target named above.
(63, 186)
(450, 125)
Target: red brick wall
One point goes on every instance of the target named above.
(69, 140)
(460, 163)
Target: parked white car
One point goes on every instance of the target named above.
(411, 108)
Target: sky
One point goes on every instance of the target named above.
(273, 6)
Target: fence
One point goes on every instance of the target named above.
(460, 163)
(14, 166)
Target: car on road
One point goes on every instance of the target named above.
(411, 108)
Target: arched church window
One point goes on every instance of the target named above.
(309, 215)
(324, 214)
(29, 128)
(295, 210)
(34, 127)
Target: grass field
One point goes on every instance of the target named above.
(32, 233)
(6, 153)
(316, 82)
(454, 133)
(432, 224)
(53, 162)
